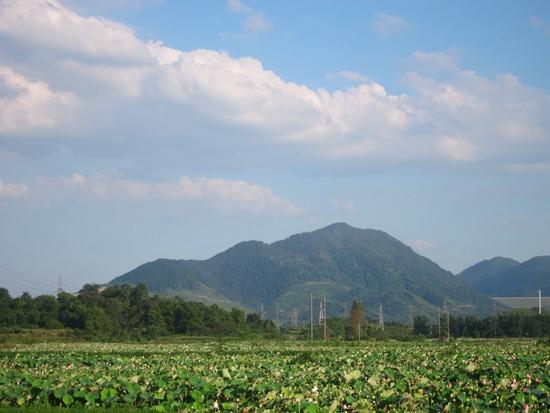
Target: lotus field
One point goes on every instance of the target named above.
(281, 376)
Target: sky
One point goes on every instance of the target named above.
(137, 129)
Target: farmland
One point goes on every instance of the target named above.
(280, 376)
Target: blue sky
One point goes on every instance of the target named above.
(138, 129)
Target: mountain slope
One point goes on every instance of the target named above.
(344, 262)
(483, 270)
(522, 280)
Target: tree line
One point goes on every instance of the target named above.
(125, 312)
(517, 323)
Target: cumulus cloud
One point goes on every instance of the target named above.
(9, 190)
(28, 105)
(216, 193)
(48, 25)
(128, 89)
(386, 24)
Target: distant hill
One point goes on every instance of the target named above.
(344, 262)
(478, 273)
(519, 280)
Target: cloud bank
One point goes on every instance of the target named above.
(221, 194)
(73, 78)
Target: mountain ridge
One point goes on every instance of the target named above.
(521, 280)
(365, 264)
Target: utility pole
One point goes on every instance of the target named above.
(540, 302)
(411, 317)
(278, 316)
(448, 322)
(439, 322)
(310, 316)
(381, 318)
(325, 316)
(345, 310)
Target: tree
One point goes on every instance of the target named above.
(6, 318)
(357, 315)
(421, 325)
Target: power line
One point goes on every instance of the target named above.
(43, 284)
(36, 277)
(27, 287)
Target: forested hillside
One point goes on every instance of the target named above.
(503, 277)
(344, 262)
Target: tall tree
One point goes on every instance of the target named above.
(357, 315)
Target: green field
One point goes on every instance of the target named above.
(278, 376)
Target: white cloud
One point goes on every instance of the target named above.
(48, 25)
(255, 21)
(27, 105)
(8, 190)
(215, 193)
(386, 24)
(540, 24)
(129, 90)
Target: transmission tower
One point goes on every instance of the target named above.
(381, 318)
(321, 312)
(59, 284)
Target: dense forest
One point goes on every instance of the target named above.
(124, 312)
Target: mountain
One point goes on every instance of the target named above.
(478, 273)
(520, 280)
(344, 262)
